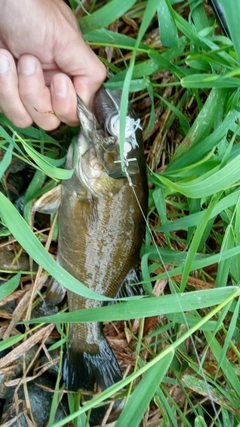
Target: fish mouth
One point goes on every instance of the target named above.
(99, 144)
(109, 117)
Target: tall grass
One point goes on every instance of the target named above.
(186, 365)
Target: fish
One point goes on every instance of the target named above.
(101, 229)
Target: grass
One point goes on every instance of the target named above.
(185, 348)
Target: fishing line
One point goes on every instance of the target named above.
(126, 163)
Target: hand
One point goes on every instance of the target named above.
(44, 61)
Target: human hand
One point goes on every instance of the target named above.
(44, 61)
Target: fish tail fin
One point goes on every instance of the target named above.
(94, 369)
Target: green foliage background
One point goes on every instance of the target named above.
(194, 202)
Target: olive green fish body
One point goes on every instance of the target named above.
(101, 227)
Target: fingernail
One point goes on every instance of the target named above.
(4, 64)
(27, 65)
(60, 87)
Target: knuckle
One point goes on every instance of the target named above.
(102, 73)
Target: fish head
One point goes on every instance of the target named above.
(99, 165)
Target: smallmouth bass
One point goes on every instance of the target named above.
(101, 227)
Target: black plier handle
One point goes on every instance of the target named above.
(219, 10)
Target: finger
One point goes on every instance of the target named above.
(10, 101)
(77, 60)
(64, 99)
(92, 77)
(34, 93)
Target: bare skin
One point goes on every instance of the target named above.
(44, 62)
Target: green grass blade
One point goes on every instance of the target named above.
(154, 306)
(168, 350)
(224, 265)
(167, 26)
(31, 193)
(29, 132)
(104, 37)
(9, 342)
(232, 12)
(143, 393)
(227, 367)
(198, 263)
(45, 164)
(166, 409)
(10, 286)
(230, 335)
(192, 220)
(207, 186)
(148, 15)
(207, 81)
(104, 16)
(12, 341)
(6, 160)
(202, 125)
(196, 242)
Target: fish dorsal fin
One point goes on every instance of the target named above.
(49, 202)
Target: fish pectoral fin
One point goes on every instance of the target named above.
(49, 202)
(130, 285)
(55, 292)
